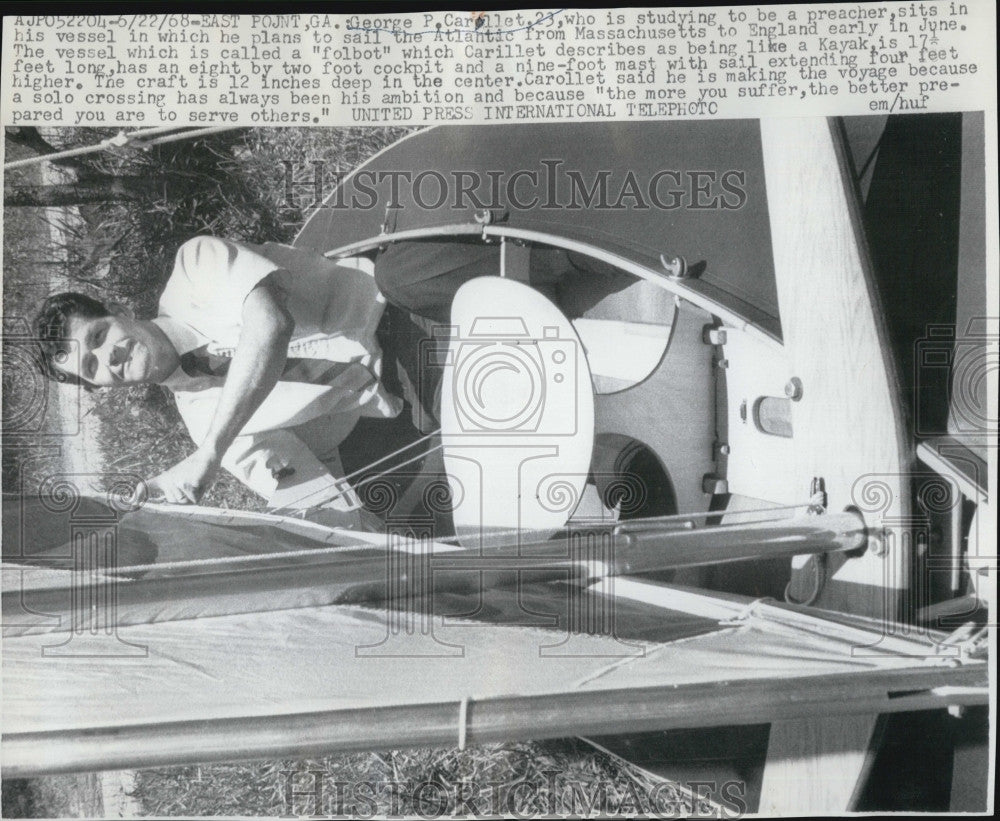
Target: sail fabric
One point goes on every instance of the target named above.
(41, 532)
(342, 657)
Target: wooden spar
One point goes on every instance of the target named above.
(642, 549)
(511, 718)
(371, 575)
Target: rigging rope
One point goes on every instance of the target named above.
(360, 471)
(123, 139)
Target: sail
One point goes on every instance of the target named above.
(522, 660)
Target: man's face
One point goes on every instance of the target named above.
(117, 350)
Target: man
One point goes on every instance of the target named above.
(270, 351)
(273, 352)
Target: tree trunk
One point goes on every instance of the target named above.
(95, 189)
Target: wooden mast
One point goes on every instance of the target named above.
(550, 715)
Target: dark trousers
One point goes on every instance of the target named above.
(422, 276)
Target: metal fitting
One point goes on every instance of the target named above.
(676, 267)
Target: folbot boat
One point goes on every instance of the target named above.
(722, 509)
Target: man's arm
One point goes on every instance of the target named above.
(255, 368)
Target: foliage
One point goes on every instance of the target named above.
(230, 184)
(58, 796)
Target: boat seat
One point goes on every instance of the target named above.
(620, 353)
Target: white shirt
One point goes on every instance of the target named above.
(336, 307)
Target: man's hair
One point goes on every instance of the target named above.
(52, 330)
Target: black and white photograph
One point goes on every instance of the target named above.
(622, 468)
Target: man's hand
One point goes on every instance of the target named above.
(186, 481)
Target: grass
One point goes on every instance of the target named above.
(234, 185)
(563, 778)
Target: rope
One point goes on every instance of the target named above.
(189, 135)
(463, 722)
(366, 480)
(633, 524)
(218, 561)
(122, 139)
(746, 613)
(152, 132)
(365, 469)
